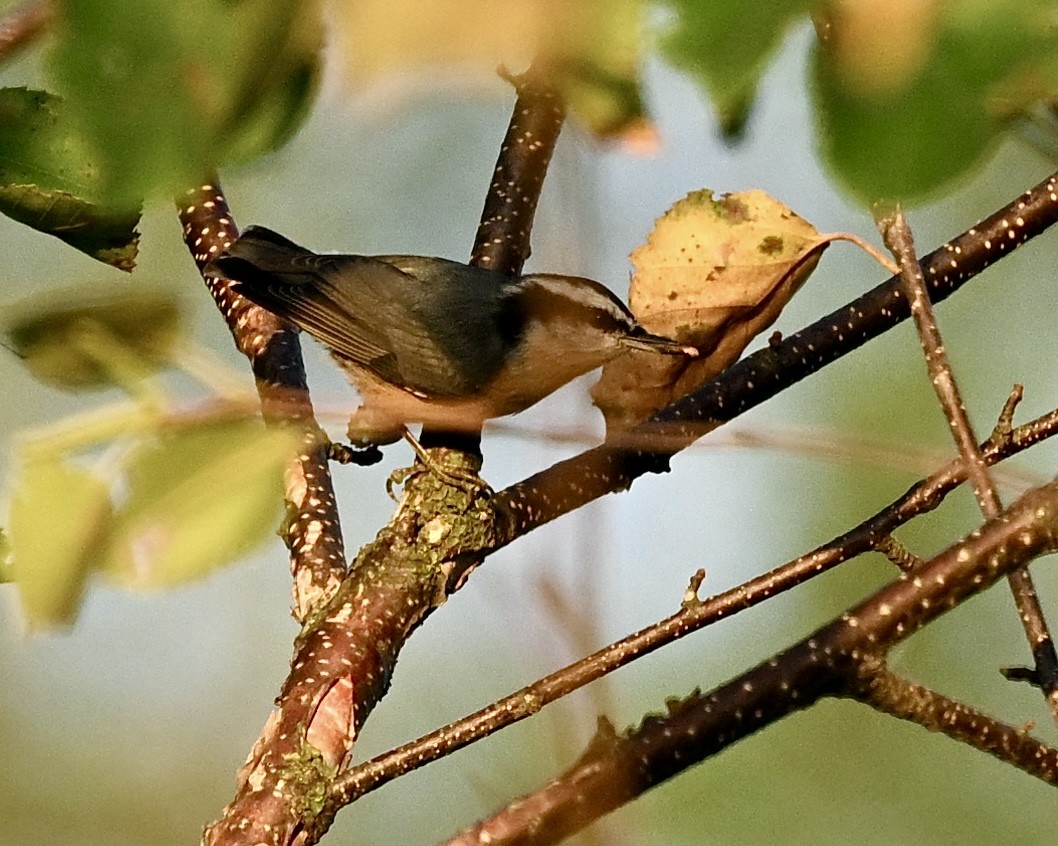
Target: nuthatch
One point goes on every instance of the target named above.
(432, 341)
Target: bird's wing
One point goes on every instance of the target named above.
(437, 335)
(368, 312)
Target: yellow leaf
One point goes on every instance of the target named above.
(199, 498)
(59, 514)
(714, 272)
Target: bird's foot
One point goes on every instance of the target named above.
(364, 456)
(459, 477)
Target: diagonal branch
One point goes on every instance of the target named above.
(886, 691)
(313, 533)
(830, 662)
(695, 614)
(898, 238)
(570, 484)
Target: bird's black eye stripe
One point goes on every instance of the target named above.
(592, 305)
(512, 319)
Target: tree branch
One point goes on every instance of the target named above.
(570, 484)
(830, 662)
(502, 242)
(887, 692)
(313, 532)
(898, 238)
(695, 614)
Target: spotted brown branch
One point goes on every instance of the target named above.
(313, 533)
(343, 660)
(503, 239)
(570, 484)
(871, 534)
(899, 240)
(831, 662)
(888, 692)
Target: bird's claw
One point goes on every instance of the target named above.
(363, 456)
(465, 480)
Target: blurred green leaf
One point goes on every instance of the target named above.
(50, 182)
(908, 103)
(6, 573)
(59, 514)
(92, 345)
(198, 499)
(591, 50)
(726, 45)
(167, 91)
(598, 59)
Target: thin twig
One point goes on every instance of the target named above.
(825, 445)
(615, 769)
(899, 239)
(889, 693)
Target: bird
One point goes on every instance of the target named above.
(434, 341)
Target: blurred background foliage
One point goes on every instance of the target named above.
(130, 726)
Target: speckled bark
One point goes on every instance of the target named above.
(347, 652)
(570, 484)
(313, 533)
(830, 662)
(345, 658)
(694, 614)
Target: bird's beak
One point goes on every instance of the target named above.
(658, 344)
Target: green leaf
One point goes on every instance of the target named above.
(59, 513)
(90, 345)
(597, 59)
(198, 500)
(50, 182)
(726, 45)
(6, 572)
(590, 50)
(909, 103)
(167, 91)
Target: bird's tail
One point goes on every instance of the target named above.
(257, 253)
